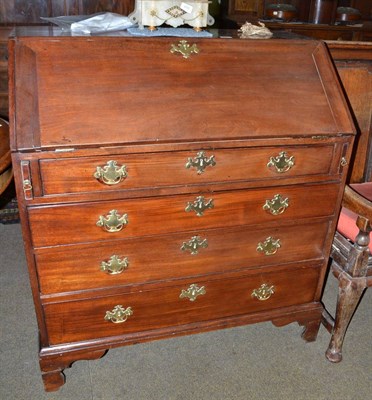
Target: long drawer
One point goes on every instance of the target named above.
(144, 260)
(178, 305)
(86, 222)
(95, 174)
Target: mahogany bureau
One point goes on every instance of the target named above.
(169, 186)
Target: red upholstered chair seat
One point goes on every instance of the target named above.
(347, 221)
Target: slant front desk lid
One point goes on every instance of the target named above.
(120, 90)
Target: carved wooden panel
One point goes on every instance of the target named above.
(29, 12)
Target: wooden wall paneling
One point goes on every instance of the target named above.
(21, 11)
(123, 7)
(357, 80)
(29, 12)
(354, 66)
(248, 9)
(65, 7)
(4, 32)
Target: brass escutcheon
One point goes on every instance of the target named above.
(113, 222)
(115, 265)
(269, 247)
(111, 173)
(184, 48)
(277, 205)
(281, 163)
(264, 292)
(194, 244)
(201, 162)
(192, 292)
(119, 314)
(199, 205)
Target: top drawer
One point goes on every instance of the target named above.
(97, 174)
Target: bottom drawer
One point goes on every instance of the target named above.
(140, 311)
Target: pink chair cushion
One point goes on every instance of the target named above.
(347, 221)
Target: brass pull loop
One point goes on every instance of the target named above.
(194, 244)
(27, 185)
(264, 292)
(119, 314)
(115, 265)
(184, 48)
(111, 173)
(113, 222)
(201, 162)
(277, 205)
(192, 292)
(281, 163)
(199, 206)
(269, 247)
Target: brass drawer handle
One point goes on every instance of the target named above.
(27, 185)
(201, 162)
(111, 173)
(184, 48)
(192, 292)
(277, 205)
(264, 292)
(115, 265)
(119, 314)
(194, 244)
(199, 205)
(113, 222)
(269, 247)
(282, 162)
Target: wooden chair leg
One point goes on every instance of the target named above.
(350, 291)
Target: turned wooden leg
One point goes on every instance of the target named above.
(349, 293)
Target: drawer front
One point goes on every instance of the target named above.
(162, 308)
(85, 222)
(144, 260)
(74, 175)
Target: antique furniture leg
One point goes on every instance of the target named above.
(349, 294)
(352, 283)
(52, 366)
(310, 331)
(310, 323)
